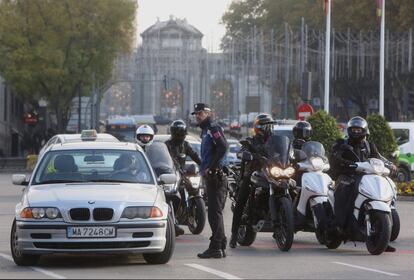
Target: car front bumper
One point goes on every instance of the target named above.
(51, 237)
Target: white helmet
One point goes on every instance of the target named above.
(145, 135)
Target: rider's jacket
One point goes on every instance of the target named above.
(256, 146)
(345, 153)
(177, 149)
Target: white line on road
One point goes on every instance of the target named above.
(41, 270)
(368, 269)
(212, 271)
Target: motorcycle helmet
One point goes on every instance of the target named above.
(302, 130)
(263, 125)
(178, 130)
(357, 129)
(145, 135)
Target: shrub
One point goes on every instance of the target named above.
(382, 135)
(405, 188)
(325, 129)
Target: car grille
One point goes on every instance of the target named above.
(80, 214)
(103, 214)
(91, 245)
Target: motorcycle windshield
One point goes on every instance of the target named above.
(314, 149)
(160, 158)
(278, 149)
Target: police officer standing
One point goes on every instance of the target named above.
(213, 150)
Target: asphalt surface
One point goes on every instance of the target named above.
(306, 260)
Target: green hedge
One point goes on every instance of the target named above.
(325, 129)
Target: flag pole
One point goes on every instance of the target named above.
(382, 58)
(327, 54)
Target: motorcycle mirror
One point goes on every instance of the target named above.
(191, 169)
(246, 156)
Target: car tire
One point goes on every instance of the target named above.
(19, 257)
(164, 256)
(403, 174)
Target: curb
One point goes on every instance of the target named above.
(405, 198)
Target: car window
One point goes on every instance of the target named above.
(402, 135)
(93, 166)
(234, 148)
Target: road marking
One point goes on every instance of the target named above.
(37, 269)
(368, 269)
(212, 271)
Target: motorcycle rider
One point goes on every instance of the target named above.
(302, 132)
(343, 170)
(262, 126)
(179, 149)
(144, 135)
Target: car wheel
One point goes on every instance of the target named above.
(164, 256)
(403, 175)
(19, 257)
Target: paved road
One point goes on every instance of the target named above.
(306, 260)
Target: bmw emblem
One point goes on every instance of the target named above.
(91, 202)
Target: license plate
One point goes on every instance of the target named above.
(91, 232)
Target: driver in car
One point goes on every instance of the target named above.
(125, 168)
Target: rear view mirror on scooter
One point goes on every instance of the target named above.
(245, 156)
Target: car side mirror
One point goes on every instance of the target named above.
(167, 179)
(20, 180)
(191, 169)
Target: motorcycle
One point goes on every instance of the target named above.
(269, 206)
(309, 204)
(184, 196)
(372, 219)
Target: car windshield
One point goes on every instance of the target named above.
(70, 166)
(234, 148)
(280, 132)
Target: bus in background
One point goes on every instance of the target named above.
(123, 128)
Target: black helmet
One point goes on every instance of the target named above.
(357, 128)
(178, 130)
(263, 125)
(302, 130)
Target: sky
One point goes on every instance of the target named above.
(205, 15)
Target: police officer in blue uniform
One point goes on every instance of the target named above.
(213, 150)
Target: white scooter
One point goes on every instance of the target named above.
(372, 207)
(311, 203)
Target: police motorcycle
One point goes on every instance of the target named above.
(372, 219)
(309, 205)
(269, 206)
(188, 205)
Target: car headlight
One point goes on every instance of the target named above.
(377, 165)
(317, 163)
(141, 212)
(40, 213)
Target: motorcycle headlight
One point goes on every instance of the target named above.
(377, 165)
(275, 171)
(317, 163)
(169, 188)
(288, 172)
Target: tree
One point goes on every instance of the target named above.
(381, 134)
(325, 129)
(58, 49)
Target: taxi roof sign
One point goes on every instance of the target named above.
(90, 134)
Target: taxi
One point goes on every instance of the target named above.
(92, 197)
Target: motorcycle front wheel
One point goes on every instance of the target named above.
(284, 230)
(197, 215)
(379, 233)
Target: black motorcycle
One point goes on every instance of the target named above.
(184, 196)
(269, 207)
